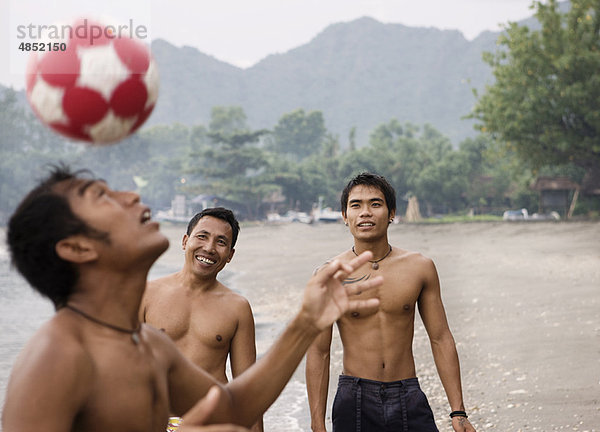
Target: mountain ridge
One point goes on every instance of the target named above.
(359, 73)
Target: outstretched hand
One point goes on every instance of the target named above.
(199, 414)
(326, 298)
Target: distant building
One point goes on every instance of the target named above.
(557, 194)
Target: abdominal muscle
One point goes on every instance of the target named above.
(378, 347)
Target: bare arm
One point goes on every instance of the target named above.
(243, 347)
(317, 378)
(443, 346)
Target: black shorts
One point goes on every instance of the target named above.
(363, 405)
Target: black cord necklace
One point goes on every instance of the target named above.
(135, 333)
(374, 264)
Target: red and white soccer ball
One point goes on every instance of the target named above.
(98, 89)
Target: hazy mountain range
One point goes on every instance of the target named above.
(359, 74)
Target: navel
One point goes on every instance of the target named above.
(355, 314)
(406, 307)
(219, 338)
(382, 365)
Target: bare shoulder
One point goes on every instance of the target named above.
(235, 300)
(162, 282)
(414, 258)
(156, 287)
(72, 365)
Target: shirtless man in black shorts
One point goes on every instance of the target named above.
(378, 390)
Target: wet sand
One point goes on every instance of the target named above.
(522, 299)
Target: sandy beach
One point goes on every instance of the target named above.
(522, 299)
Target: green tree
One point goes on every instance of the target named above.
(545, 102)
(299, 134)
(234, 167)
(26, 147)
(163, 174)
(227, 119)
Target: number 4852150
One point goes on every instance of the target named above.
(41, 46)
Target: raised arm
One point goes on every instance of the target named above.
(249, 395)
(317, 378)
(431, 309)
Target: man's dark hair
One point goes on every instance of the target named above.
(43, 218)
(371, 180)
(219, 213)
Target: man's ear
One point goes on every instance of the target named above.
(231, 255)
(392, 215)
(76, 249)
(184, 241)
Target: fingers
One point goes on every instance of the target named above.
(360, 260)
(363, 306)
(358, 288)
(342, 270)
(204, 408)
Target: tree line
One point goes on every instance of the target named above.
(288, 167)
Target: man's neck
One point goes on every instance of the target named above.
(113, 297)
(379, 247)
(194, 282)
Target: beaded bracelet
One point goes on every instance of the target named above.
(458, 414)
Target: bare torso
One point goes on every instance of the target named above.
(378, 344)
(201, 323)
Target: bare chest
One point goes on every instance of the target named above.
(398, 295)
(204, 321)
(131, 397)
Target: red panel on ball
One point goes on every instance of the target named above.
(133, 54)
(60, 68)
(83, 105)
(142, 118)
(129, 98)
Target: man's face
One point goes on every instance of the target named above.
(367, 213)
(132, 235)
(208, 248)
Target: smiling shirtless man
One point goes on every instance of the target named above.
(207, 320)
(378, 390)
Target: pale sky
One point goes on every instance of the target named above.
(242, 32)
